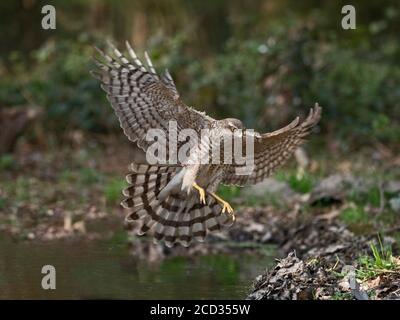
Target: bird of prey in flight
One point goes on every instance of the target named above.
(177, 202)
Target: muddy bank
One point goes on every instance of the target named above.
(323, 259)
(322, 278)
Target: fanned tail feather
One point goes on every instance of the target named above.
(176, 218)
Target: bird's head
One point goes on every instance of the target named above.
(232, 124)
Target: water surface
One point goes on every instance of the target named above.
(106, 270)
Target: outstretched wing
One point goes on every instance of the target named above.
(142, 100)
(271, 150)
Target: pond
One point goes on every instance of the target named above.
(101, 269)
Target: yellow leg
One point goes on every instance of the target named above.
(202, 193)
(225, 205)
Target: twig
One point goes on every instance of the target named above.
(381, 197)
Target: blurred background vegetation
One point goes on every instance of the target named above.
(262, 61)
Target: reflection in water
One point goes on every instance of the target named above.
(104, 269)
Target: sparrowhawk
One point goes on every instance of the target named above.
(162, 195)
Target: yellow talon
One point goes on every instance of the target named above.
(202, 193)
(225, 206)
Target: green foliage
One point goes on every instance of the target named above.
(374, 196)
(338, 295)
(89, 175)
(59, 80)
(371, 196)
(112, 190)
(229, 192)
(22, 189)
(302, 183)
(352, 90)
(270, 199)
(83, 176)
(354, 215)
(7, 162)
(66, 176)
(233, 194)
(382, 256)
(3, 203)
(382, 261)
(243, 97)
(119, 238)
(238, 65)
